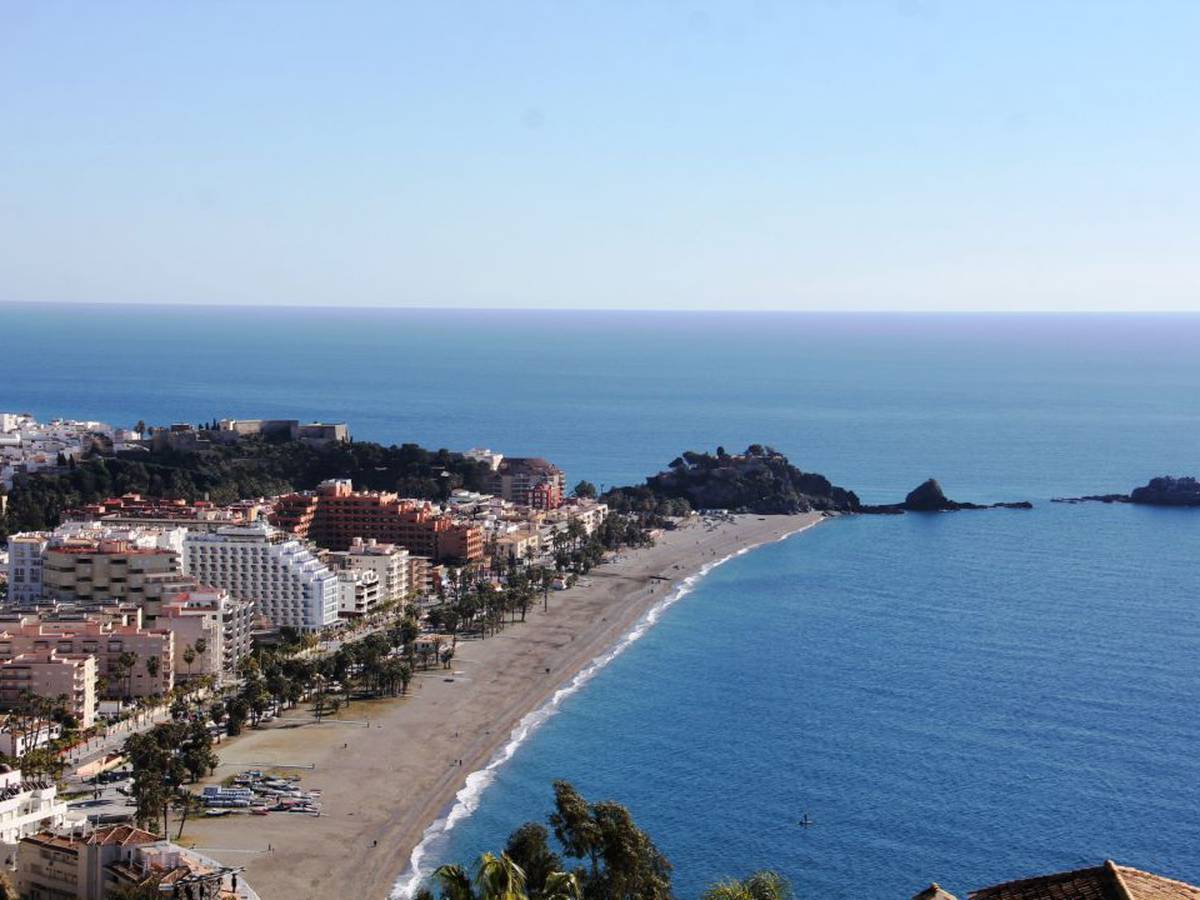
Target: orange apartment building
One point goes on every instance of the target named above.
(334, 515)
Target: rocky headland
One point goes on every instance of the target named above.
(762, 480)
(758, 480)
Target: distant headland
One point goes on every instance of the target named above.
(762, 480)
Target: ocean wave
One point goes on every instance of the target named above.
(467, 800)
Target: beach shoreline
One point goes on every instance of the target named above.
(393, 771)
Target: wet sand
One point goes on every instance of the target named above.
(389, 768)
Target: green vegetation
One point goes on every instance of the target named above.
(163, 759)
(36, 717)
(251, 468)
(760, 480)
(611, 859)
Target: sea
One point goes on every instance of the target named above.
(963, 698)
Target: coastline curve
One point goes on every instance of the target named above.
(469, 797)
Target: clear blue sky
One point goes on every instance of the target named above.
(802, 155)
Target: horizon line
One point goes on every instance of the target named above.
(160, 304)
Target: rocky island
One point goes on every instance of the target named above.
(929, 497)
(1162, 491)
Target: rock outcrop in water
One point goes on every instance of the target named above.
(1162, 491)
(929, 497)
(1168, 491)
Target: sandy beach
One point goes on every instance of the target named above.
(389, 768)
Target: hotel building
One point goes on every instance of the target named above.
(335, 514)
(290, 586)
(387, 561)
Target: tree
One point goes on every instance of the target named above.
(157, 771)
(573, 825)
(764, 885)
(585, 489)
(625, 864)
(529, 848)
(405, 674)
(189, 657)
(633, 866)
(153, 664)
(123, 668)
(454, 882)
(499, 878)
(562, 886)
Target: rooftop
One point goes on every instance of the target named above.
(1105, 882)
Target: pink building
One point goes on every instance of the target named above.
(50, 674)
(106, 641)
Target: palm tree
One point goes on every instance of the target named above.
(123, 668)
(562, 886)
(454, 882)
(764, 885)
(152, 667)
(499, 878)
(189, 657)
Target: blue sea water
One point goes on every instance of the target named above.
(963, 698)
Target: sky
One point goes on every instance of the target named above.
(911, 155)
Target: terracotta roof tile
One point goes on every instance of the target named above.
(1146, 886)
(122, 835)
(1106, 882)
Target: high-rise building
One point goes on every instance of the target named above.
(103, 569)
(335, 514)
(215, 625)
(25, 568)
(50, 674)
(289, 585)
(358, 592)
(528, 481)
(388, 561)
(107, 641)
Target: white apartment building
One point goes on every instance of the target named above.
(25, 566)
(207, 618)
(388, 561)
(358, 592)
(27, 807)
(290, 586)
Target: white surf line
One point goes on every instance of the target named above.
(467, 800)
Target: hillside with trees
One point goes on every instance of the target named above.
(760, 480)
(252, 468)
